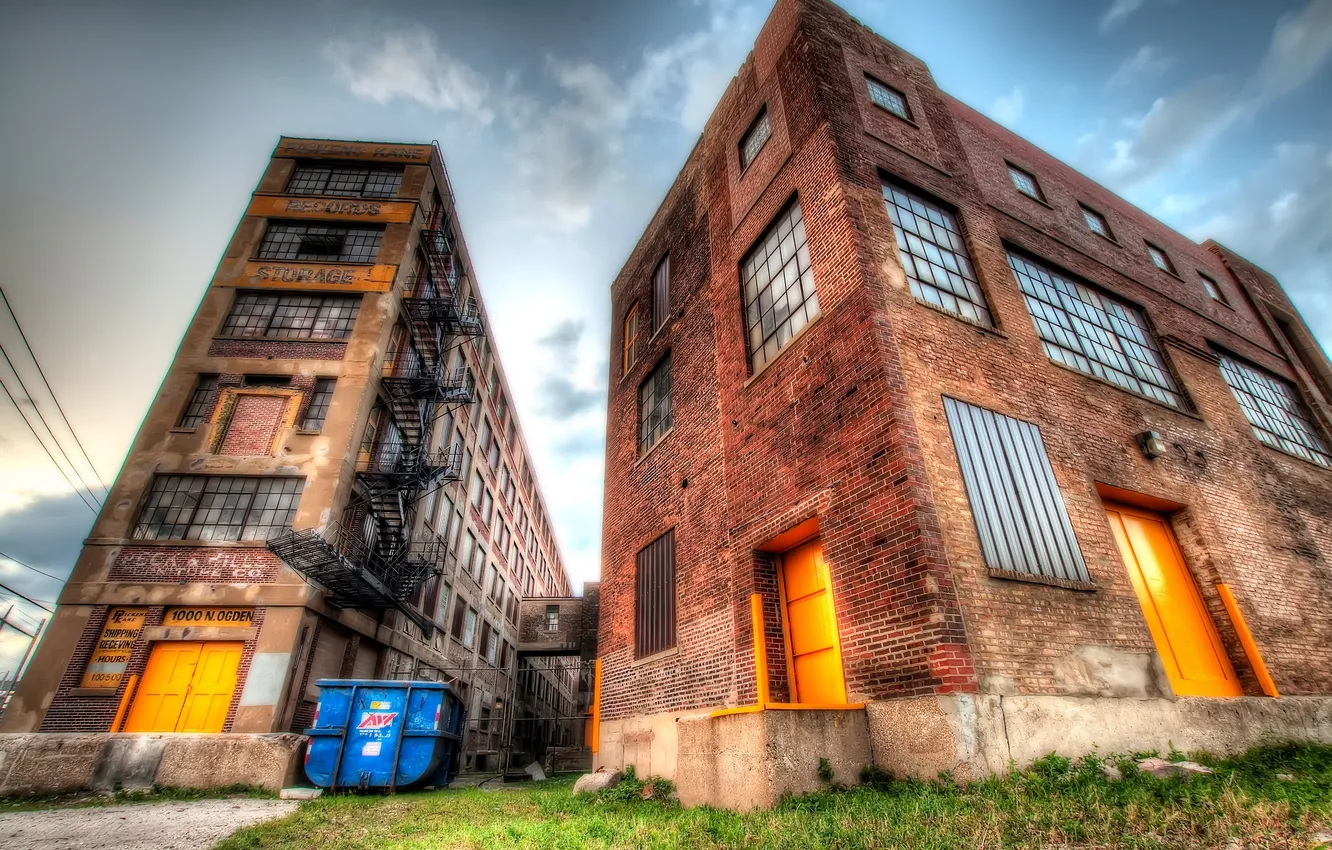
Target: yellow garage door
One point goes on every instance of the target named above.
(811, 627)
(187, 687)
(1180, 624)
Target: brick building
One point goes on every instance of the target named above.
(331, 482)
(1008, 465)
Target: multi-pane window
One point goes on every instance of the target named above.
(367, 181)
(654, 597)
(1024, 182)
(320, 399)
(552, 618)
(1276, 412)
(779, 292)
(202, 399)
(630, 339)
(754, 138)
(469, 628)
(661, 293)
(1020, 514)
(330, 243)
(1094, 333)
(654, 405)
(934, 255)
(1213, 289)
(1096, 222)
(1160, 259)
(292, 316)
(888, 97)
(218, 507)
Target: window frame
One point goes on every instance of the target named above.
(756, 272)
(364, 169)
(656, 584)
(1015, 172)
(661, 293)
(364, 248)
(321, 398)
(1299, 418)
(629, 340)
(650, 435)
(762, 119)
(1088, 214)
(202, 402)
(338, 325)
(1164, 263)
(186, 516)
(872, 81)
(1212, 287)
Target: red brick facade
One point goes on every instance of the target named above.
(846, 424)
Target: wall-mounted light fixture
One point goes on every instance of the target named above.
(1151, 444)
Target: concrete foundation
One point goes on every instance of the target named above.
(58, 764)
(648, 743)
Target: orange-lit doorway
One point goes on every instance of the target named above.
(187, 687)
(812, 646)
(1180, 624)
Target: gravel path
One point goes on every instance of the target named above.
(159, 826)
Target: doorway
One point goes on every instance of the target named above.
(1182, 628)
(186, 687)
(813, 650)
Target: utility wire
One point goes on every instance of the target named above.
(35, 435)
(46, 425)
(50, 390)
(31, 567)
(7, 589)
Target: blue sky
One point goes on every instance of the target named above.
(133, 134)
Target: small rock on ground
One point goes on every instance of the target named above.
(140, 826)
(1285, 777)
(300, 793)
(1322, 839)
(590, 783)
(1162, 769)
(1109, 771)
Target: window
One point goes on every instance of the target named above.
(459, 617)
(630, 340)
(201, 402)
(217, 507)
(1276, 412)
(654, 406)
(754, 138)
(1096, 223)
(292, 316)
(486, 634)
(661, 293)
(1094, 333)
(465, 553)
(478, 562)
(935, 258)
(491, 644)
(1160, 259)
(779, 293)
(328, 243)
(1020, 515)
(888, 97)
(1213, 289)
(1024, 182)
(654, 597)
(365, 181)
(552, 618)
(469, 628)
(320, 399)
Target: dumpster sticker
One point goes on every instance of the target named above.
(381, 704)
(376, 719)
(371, 748)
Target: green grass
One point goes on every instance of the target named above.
(1056, 803)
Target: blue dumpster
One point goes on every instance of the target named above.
(383, 734)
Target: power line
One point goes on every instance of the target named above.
(6, 588)
(30, 566)
(51, 390)
(77, 491)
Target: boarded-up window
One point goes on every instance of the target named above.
(654, 597)
(1020, 514)
(661, 293)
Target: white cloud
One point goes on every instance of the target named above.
(409, 66)
(1118, 11)
(1008, 109)
(1301, 43)
(1148, 63)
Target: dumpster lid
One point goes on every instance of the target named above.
(383, 683)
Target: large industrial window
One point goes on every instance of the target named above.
(327, 243)
(934, 255)
(1276, 412)
(320, 399)
(661, 293)
(367, 181)
(779, 293)
(217, 507)
(754, 138)
(654, 597)
(654, 405)
(1093, 332)
(292, 316)
(200, 406)
(1020, 515)
(888, 97)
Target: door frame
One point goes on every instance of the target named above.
(826, 574)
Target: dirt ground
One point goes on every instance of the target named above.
(160, 826)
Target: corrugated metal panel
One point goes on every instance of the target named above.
(654, 602)
(1020, 514)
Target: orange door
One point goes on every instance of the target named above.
(1181, 626)
(811, 627)
(164, 688)
(211, 688)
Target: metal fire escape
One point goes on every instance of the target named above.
(373, 560)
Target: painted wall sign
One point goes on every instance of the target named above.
(111, 656)
(314, 276)
(212, 617)
(315, 149)
(355, 209)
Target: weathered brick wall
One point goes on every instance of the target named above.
(247, 564)
(278, 349)
(847, 424)
(253, 425)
